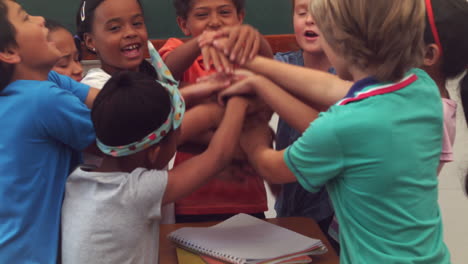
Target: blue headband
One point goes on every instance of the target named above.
(174, 118)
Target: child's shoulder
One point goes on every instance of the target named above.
(96, 77)
(170, 45)
(291, 57)
(89, 174)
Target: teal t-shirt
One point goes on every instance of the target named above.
(377, 151)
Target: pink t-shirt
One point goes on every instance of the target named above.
(450, 114)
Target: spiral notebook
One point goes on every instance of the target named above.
(244, 239)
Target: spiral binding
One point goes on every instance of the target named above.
(192, 246)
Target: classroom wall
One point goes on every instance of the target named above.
(269, 16)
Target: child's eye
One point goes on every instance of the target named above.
(201, 15)
(114, 28)
(302, 12)
(137, 24)
(225, 12)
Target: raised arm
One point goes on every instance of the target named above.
(182, 57)
(269, 163)
(312, 86)
(295, 112)
(199, 119)
(191, 174)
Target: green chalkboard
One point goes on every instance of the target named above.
(268, 16)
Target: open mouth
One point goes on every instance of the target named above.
(310, 34)
(132, 50)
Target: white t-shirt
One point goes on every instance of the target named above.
(96, 77)
(112, 217)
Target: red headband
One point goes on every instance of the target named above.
(430, 18)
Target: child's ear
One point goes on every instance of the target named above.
(183, 26)
(431, 55)
(241, 16)
(153, 154)
(10, 56)
(89, 42)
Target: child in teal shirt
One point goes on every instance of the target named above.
(378, 148)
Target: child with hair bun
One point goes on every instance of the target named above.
(112, 213)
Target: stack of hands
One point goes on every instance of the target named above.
(227, 50)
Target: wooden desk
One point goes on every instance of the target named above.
(302, 225)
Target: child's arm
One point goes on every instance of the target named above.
(82, 91)
(295, 112)
(89, 101)
(193, 93)
(199, 119)
(182, 57)
(312, 86)
(191, 174)
(269, 163)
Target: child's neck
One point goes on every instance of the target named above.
(23, 72)
(316, 60)
(111, 70)
(441, 81)
(110, 164)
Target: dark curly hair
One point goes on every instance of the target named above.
(183, 7)
(130, 106)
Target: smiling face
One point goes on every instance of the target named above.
(209, 15)
(31, 37)
(118, 35)
(69, 64)
(306, 36)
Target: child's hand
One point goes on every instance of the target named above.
(204, 88)
(211, 55)
(243, 87)
(242, 45)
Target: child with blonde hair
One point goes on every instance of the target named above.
(293, 199)
(380, 174)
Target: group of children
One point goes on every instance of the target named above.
(362, 135)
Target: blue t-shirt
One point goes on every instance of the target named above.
(294, 200)
(44, 125)
(378, 150)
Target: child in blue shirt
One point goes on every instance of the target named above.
(45, 124)
(293, 199)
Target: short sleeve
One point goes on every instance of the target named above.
(80, 90)
(170, 45)
(96, 78)
(450, 111)
(65, 118)
(281, 56)
(316, 157)
(148, 188)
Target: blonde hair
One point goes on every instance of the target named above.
(381, 37)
